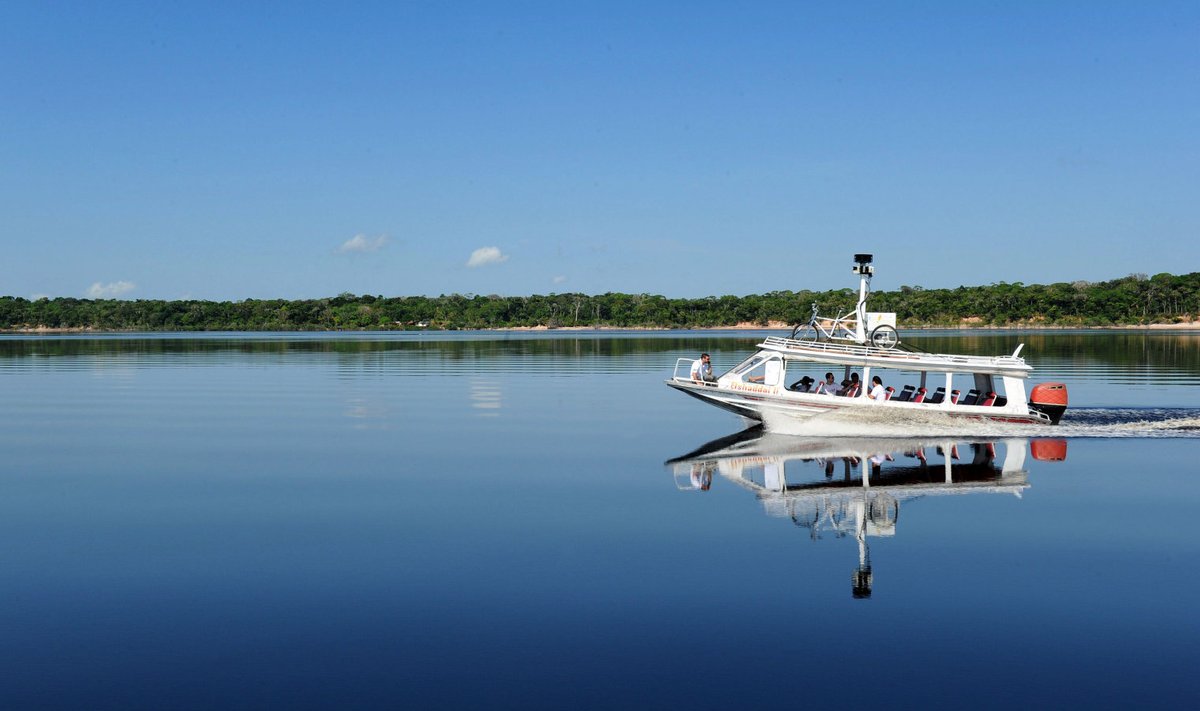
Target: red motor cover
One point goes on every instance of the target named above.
(1049, 394)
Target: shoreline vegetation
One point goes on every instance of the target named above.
(1164, 301)
(773, 326)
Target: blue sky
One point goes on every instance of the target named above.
(294, 150)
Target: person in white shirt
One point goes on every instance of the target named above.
(828, 386)
(877, 391)
(702, 369)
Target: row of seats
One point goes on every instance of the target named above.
(849, 389)
(911, 393)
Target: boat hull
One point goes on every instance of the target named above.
(756, 406)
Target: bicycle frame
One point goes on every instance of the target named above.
(827, 328)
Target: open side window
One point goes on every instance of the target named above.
(764, 371)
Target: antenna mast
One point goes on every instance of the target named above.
(862, 267)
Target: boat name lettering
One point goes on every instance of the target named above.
(750, 387)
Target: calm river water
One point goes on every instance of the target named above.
(536, 521)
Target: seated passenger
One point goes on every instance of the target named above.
(828, 386)
(803, 385)
(877, 391)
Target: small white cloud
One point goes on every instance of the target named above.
(362, 244)
(111, 290)
(559, 279)
(486, 255)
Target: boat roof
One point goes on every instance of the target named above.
(865, 355)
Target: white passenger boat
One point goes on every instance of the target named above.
(785, 375)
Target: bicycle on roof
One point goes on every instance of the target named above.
(855, 326)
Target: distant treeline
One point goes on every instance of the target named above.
(1136, 299)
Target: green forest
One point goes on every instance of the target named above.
(1133, 300)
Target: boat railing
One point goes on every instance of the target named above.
(832, 347)
(897, 356)
(686, 364)
(1041, 416)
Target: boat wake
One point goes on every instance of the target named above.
(1080, 422)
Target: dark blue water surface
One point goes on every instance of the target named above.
(438, 520)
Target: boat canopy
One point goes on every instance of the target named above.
(851, 354)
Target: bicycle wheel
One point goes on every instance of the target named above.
(807, 333)
(884, 337)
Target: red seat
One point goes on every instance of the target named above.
(989, 400)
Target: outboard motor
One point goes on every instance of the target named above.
(1049, 399)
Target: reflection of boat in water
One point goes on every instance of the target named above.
(844, 487)
(990, 388)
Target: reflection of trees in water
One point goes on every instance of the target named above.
(1176, 352)
(479, 346)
